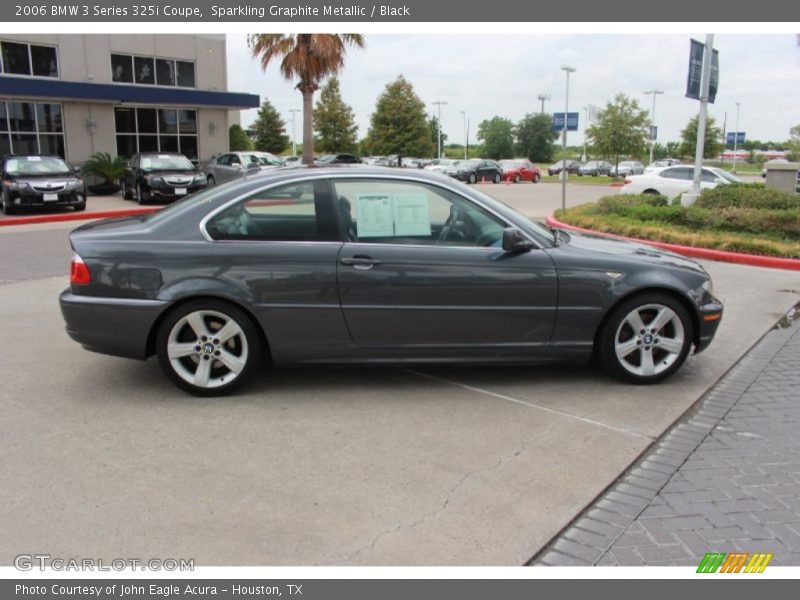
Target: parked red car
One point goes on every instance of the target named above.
(520, 170)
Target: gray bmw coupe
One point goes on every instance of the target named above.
(374, 266)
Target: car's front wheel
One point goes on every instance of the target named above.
(516, 178)
(646, 339)
(497, 178)
(472, 178)
(208, 347)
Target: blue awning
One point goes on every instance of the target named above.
(23, 87)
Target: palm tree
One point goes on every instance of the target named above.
(308, 57)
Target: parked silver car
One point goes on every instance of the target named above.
(236, 165)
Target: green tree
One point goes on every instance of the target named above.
(309, 58)
(334, 121)
(238, 139)
(497, 134)
(793, 145)
(622, 128)
(269, 130)
(535, 137)
(673, 149)
(712, 146)
(399, 124)
(433, 123)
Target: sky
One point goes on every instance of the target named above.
(494, 74)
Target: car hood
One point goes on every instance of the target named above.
(631, 249)
(40, 179)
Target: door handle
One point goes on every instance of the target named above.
(362, 263)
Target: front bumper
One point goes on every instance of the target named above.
(36, 199)
(115, 326)
(709, 316)
(169, 192)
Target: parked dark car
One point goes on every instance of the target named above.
(368, 266)
(338, 159)
(38, 181)
(477, 169)
(595, 168)
(573, 166)
(160, 176)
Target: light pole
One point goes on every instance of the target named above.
(567, 70)
(438, 104)
(735, 138)
(543, 98)
(294, 111)
(705, 79)
(466, 134)
(653, 121)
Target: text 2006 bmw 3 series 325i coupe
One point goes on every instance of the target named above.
(370, 265)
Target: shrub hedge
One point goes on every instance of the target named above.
(741, 218)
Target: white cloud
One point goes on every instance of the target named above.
(488, 75)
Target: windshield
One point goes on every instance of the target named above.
(266, 158)
(326, 158)
(468, 164)
(166, 162)
(36, 165)
(513, 164)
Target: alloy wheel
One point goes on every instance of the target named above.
(649, 340)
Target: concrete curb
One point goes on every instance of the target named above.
(77, 216)
(741, 258)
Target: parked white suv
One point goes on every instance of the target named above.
(674, 181)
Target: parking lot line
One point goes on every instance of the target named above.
(530, 404)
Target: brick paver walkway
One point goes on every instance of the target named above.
(725, 479)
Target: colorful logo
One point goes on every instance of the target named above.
(736, 562)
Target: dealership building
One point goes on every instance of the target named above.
(74, 95)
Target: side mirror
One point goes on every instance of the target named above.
(253, 166)
(237, 166)
(515, 241)
(76, 169)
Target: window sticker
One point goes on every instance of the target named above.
(411, 215)
(374, 216)
(34, 158)
(163, 156)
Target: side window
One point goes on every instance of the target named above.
(708, 176)
(382, 211)
(677, 173)
(234, 159)
(297, 212)
(224, 160)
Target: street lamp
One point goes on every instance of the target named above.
(438, 104)
(653, 121)
(567, 70)
(735, 138)
(294, 143)
(466, 133)
(543, 98)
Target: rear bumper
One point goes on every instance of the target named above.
(115, 326)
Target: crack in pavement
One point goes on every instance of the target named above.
(446, 502)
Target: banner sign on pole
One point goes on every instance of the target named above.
(735, 137)
(694, 78)
(572, 121)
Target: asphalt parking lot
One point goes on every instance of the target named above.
(103, 457)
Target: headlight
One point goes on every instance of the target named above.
(708, 286)
(154, 180)
(74, 185)
(199, 179)
(17, 185)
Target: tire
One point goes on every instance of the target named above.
(472, 178)
(536, 178)
(126, 191)
(497, 178)
(652, 192)
(181, 334)
(649, 357)
(516, 178)
(140, 195)
(211, 181)
(81, 206)
(8, 208)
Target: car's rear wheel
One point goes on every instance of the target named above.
(472, 178)
(536, 178)
(646, 339)
(127, 194)
(208, 347)
(653, 192)
(516, 178)
(211, 180)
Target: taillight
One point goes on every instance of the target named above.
(79, 273)
(626, 181)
